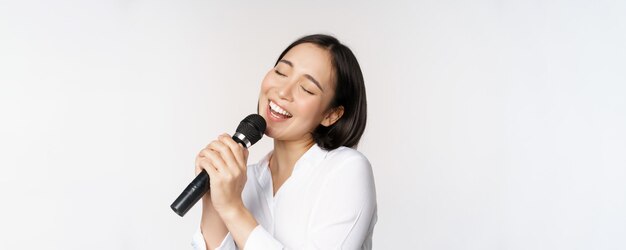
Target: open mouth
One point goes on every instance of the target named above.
(278, 112)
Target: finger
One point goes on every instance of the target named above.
(213, 174)
(205, 152)
(198, 168)
(200, 157)
(237, 149)
(226, 154)
(204, 163)
(216, 161)
(211, 150)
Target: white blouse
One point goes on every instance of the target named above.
(328, 202)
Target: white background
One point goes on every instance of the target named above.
(492, 124)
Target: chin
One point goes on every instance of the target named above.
(269, 133)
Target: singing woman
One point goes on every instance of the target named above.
(314, 190)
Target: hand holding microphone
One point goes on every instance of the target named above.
(224, 160)
(227, 161)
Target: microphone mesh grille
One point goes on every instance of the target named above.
(253, 127)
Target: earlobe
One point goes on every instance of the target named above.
(332, 116)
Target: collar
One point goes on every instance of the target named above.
(312, 157)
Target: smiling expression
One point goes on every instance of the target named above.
(295, 94)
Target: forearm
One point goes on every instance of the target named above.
(213, 228)
(240, 223)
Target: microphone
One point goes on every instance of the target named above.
(249, 131)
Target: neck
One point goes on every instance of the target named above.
(286, 154)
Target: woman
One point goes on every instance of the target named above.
(313, 191)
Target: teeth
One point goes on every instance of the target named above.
(278, 109)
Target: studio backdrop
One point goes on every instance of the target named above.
(491, 124)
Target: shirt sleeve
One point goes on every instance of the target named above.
(260, 239)
(198, 242)
(345, 213)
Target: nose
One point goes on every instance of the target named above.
(285, 91)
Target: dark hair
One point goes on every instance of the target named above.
(349, 93)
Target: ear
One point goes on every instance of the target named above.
(332, 116)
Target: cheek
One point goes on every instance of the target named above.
(312, 110)
(265, 84)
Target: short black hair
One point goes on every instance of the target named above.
(349, 93)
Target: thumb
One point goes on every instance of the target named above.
(245, 154)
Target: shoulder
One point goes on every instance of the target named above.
(347, 161)
(344, 155)
(348, 177)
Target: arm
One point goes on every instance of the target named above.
(213, 232)
(211, 225)
(223, 209)
(344, 213)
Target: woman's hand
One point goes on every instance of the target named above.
(225, 162)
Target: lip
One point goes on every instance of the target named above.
(271, 116)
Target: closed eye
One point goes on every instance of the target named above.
(278, 72)
(305, 90)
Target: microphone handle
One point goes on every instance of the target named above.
(192, 194)
(196, 189)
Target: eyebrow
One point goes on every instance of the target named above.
(311, 78)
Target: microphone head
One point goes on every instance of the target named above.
(252, 127)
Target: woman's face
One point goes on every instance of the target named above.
(296, 93)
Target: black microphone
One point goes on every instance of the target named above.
(249, 131)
